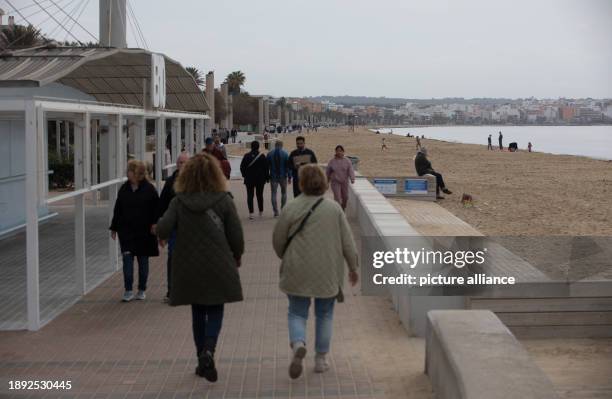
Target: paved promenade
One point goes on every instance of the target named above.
(108, 349)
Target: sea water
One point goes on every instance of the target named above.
(590, 141)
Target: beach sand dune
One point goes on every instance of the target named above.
(514, 193)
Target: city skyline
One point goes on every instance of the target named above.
(475, 49)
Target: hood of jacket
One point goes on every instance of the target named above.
(200, 202)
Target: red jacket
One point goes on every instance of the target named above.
(226, 167)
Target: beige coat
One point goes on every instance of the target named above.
(313, 265)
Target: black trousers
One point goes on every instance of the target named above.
(206, 322)
(439, 181)
(296, 186)
(255, 189)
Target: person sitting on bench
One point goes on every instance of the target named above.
(423, 167)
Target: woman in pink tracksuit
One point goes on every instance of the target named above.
(339, 171)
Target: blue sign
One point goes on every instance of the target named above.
(415, 186)
(386, 186)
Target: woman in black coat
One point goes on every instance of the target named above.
(254, 169)
(134, 218)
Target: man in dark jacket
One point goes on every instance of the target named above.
(164, 201)
(254, 169)
(423, 167)
(298, 157)
(277, 162)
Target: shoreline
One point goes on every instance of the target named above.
(484, 125)
(515, 194)
(604, 159)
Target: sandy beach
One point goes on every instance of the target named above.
(514, 193)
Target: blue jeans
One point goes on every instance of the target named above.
(206, 322)
(128, 271)
(171, 243)
(298, 316)
(274, 183)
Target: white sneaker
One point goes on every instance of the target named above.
(321, 364)
(127, 296)
(296, 367)
(141, 295)
(251, 216)
(260, 214)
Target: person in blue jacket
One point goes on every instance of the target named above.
(279, 174)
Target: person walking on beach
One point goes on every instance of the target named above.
(423, 167)
(339, 171)
(529, 146)
(279, 174)
(266, 139)
(299, 157)
(490, 144)
(254, 169)
(384, 145)
(206, 257)
(165, 197)
(134, 218)
(418, 143)
(313, 239)
(501, 141)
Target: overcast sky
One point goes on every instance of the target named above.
(392, 48)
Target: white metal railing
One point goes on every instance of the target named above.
(85, 190)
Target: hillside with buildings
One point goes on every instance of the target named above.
(382, 110)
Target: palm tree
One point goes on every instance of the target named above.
(21, 36)
(281, 102)
(198, 76)
(235, 81)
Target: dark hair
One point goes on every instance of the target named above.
(254, 145)
(298, 138)
(340, 147)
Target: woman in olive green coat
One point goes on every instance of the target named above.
(207, 252)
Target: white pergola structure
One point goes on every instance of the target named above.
(122, 120)
(119, 89)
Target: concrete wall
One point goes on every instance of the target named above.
(378, 218)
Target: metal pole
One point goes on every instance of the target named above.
(159, 151)
(58, 139)
(82, 174)
(31, 208)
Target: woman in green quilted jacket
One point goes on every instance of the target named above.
(313, 238)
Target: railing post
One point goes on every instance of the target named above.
(199, 135)
(175, 137)
(115, 135)
(160, 146)
(82, 165)
(31, 208)
(94, 129)
(189, 142)
(58, 139)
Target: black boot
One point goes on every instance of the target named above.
(206, 361)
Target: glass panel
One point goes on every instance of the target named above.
(57, 257)
(13, 303)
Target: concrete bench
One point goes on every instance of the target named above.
(470, 354)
